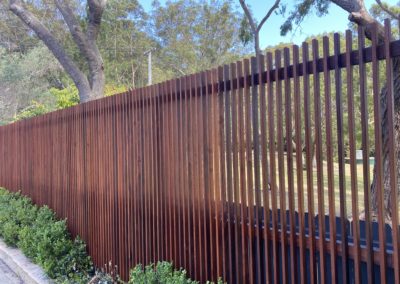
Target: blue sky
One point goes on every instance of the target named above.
(336, 20)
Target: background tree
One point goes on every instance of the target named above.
(388, 11)
(124, 39)
(90, 86)
(359, 15)
(254, 27)
(25, 81)
(127, 33)
(192, 36)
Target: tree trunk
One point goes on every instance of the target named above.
(92, 86)
(385, 145)
(133, 76)
(257, 45)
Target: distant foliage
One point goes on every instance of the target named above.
(67, 97)
(35, 109)
(63, 98)
(25, 79)
(111, 90)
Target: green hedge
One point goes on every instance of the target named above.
(43, 238)
(46, 241)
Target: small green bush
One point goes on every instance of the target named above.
(162, 273)
(16, 213)
(43, 238)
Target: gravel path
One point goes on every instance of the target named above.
(7, 275)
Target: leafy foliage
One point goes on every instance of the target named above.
(162, 273)
(301, 10)
(43, 238)
(24, 82)
(194, 35)
(33, 110)
(66, 97)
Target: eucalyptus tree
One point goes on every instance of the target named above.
(194, 35)
(124, 39)
(84, 29)
(255, 27)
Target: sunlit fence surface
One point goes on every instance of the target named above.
(258, 171)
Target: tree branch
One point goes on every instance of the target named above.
(248, 16)
(384, 8)
(96, 9)
(350, 6)
(51, 42)
(266, 17)
(360, 16)
(75, 28)
(87, 42)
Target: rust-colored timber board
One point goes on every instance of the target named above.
(228, 161)
(329, 154)
(392, 153)
(186, 175)
(292, 217)
(167, 169)
(340, 140)
(272, 167)
(255, 69)
(264, 173)
(353, 169)
(249, 167)
(235, 164)
(365, 147)
(242, 177)
(198, 173)
(217, 176)
(281, 170)
(309, 154)
(187, 179)
(142, 199)
(192, 177)
(299, 165)
(378, 171)
(319, 162)
(222, 198)
(176, 135)
(151, 192)
(208, 172)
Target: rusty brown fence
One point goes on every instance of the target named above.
(248, 171)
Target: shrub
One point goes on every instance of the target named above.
(43, 238)
(16, 212)
(162, 273)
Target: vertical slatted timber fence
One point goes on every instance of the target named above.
(247, 171)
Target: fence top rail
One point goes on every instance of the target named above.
(220, 86)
